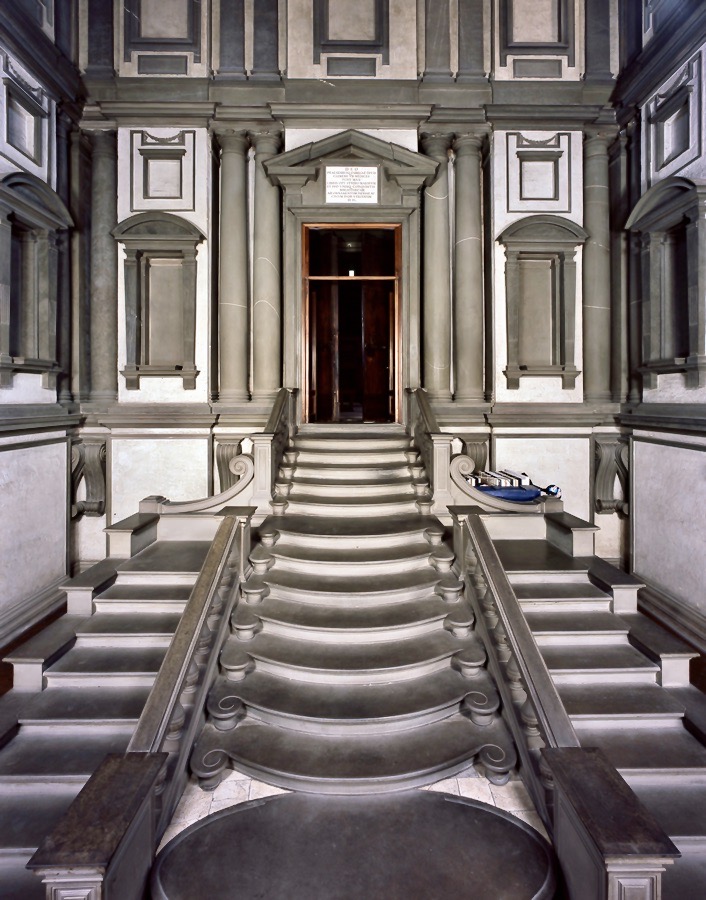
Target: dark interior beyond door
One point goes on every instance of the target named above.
(351, 316)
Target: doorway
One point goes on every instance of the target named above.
(351, 275)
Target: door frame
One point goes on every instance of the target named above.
(395, 324)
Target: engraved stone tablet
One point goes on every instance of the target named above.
(351, 184)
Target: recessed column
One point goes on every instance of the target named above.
(267, 290)
(233, 331)
(436, 302)
(596, 269)
(468, 270)
(104, 270)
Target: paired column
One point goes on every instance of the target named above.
(104, 270)
(596, 269)
(436, 322)
(233, 327)
(468, 270)
(267, 293)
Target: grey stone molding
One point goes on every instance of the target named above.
(266, 41)
(669, 417)
(553, 241)
(377, 45)
(612, 462)
(471, 53)
(563, 46)
(231, 62)
(669, 220)
(148, 237)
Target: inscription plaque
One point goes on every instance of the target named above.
(351, 184)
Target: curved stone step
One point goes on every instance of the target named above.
(314, 661)
(306, 621)
(351, 708)
(373, 532)
(397, 469)
(388, 504)
(328, 456)
(331, 440)
(361, 487)
(294, 557)
(352, 591)
(357, 763)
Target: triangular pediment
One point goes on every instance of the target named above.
(355, 145)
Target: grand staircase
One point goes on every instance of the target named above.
(353, 666)
(80, 686)
(624, 681)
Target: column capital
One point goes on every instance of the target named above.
(231, 140)
(597, 138)
(436, 144)
(266, 142)
(104, 142)
(469, 143)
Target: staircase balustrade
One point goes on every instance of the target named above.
(434, 448)
(611, 861)
(269, 446)
(165, 732)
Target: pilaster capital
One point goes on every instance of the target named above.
(266, 143)
(597, 139)
(436, 144)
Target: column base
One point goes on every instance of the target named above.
(231, 398)
(265, 396)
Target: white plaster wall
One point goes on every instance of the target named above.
(669, 518)
(170, 389)
(564, 461)
(176, 468)
(33, 511)
(27, 388)
(569, 73)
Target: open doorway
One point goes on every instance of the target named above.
(351, 275)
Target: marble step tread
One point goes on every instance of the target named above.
(106, 661)
(344, 457)
(414, 552)
(16, 881)
(353, 503)
(106, 624)
(667, 747)
(560, 592)
(371, 488)
(179, 557)
(575, 623)
(376, 529)
(149, 594)
(362, 620)
(58, 755)
(381, 471)
(589, 659)
(341, 763)
(607, 701)
(530, 557)
(85, 705)
(28, 814)
(349, 704)
(679, 808)
(333, 441)
(355, 659)
(354, 589)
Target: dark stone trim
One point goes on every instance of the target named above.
(133, 41)
(682, 417)
(380, 43)
(471, 65)
(100, 39)
(266, 40)
(598, 40)
(232, 39)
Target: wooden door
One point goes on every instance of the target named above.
(377, 358)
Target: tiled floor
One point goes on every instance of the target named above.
(237, 788)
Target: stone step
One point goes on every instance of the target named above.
(346, 443)
(352, 472)
(293, 557)
(650, 753)
(16, 881)
(679, 808)
(687, 877)
(143, 598)
(77, 706)
(328, 456)
(29, 811)
(165, 562)
(358, 763)
(539, 561)
(360, 487)
(373, 532)
(387, 504)
(620, 663)
(580, 596)
(575, 628)
(137, 630)
(352, 708)
(119, 667)
(306, 621)
(313, 661)
(599, 703)
(353, 591)
(53, 755)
